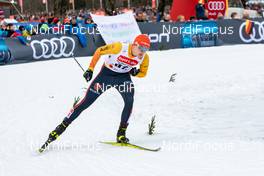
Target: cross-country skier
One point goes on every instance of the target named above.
(121, 60)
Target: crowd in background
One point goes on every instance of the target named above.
(142, 14)
(80, 18)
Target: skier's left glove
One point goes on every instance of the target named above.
(88, 74)
(134, 71)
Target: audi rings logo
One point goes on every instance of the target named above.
(55, 47)
(257, 33)
(216, 5)
(5, 56)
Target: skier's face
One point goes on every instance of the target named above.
(138, 50)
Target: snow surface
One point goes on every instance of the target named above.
(209, 122)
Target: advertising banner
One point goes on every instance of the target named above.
(46, 47)
(216, 8)
(237, 32)
(163, 36)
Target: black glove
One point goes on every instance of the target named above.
(134, 71)
(88, 74)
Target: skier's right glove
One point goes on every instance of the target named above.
(134, 71)
(88, 74)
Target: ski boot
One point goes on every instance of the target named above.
(121, 134)
(58, 131)
(55, 134)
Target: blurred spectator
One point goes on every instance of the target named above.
(24, 32)
(206, 14)
(220, 16)
(236, 3)
(43, 26)
(74, 22)
(10, 30)
(180, 18)
(200, 10)
(192, 18)
(153, 19)
(255, 5)
(66, 21)
(56, 21)
(3, 25)
(89, 21)
(234, 15)
(167, 17)
(245, 15)
(140, 17)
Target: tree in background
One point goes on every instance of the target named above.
(60, 7)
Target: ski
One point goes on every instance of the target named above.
(44, 146)
(131, 146)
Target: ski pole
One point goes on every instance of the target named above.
(78, 62)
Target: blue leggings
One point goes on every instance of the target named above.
(105, 80)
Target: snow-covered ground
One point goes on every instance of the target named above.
(210, 121)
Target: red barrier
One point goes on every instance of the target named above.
(187, 8)
(183, 7)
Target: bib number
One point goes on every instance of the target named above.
(121, 66)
